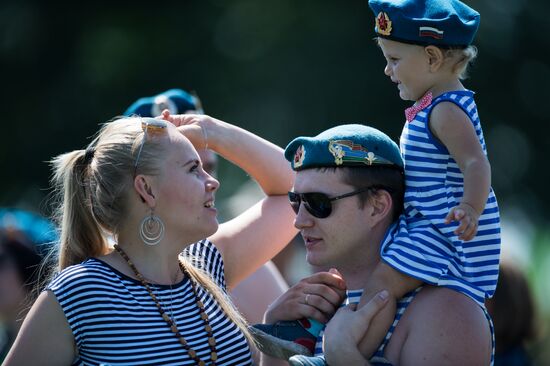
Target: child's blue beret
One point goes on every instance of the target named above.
(427, 22)
(344, 145)
(177, 101)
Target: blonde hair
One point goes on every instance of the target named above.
(91, 187)
(461, 58)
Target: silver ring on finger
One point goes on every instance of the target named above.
(307, 299)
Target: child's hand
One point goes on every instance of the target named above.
(468, 218)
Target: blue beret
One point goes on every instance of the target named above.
(177, 101)
(428, 22)
(344, 145)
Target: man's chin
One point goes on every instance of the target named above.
(315, 260)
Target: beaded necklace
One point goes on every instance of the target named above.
(173, 327)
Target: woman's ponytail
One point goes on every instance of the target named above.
(81, 237)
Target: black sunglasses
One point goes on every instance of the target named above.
(319, 204)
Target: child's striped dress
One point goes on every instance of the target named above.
(421, 245)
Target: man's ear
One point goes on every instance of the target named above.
(382, 205)
(144, 189)
(435, 57)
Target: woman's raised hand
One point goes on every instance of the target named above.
(193, 126)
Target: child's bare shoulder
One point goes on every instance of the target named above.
(445, 116)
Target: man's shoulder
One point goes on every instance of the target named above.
(441, 324)
(437, 302)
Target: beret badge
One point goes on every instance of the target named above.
(430, 32)
(346, 150)
(337, 151)
(299, 156)
(383, 24)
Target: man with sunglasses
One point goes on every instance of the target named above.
(347, 194)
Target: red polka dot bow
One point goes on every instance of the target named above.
(425, 101)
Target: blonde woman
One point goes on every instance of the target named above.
(141, 181)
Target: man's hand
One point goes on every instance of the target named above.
(346, 329)
(315, 297)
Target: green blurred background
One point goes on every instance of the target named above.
(277, 67)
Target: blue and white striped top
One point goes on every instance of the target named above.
(421, 245)
(115, 322)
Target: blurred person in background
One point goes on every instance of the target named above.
(24, 241)
(267, 280)
(514, 315)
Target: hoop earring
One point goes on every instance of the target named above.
(151, 229)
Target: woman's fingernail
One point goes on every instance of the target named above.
(383, 295)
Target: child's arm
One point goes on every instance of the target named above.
(454, 129)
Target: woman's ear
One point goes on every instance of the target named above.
(382, 205)
(435, 57)
(144, 189)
